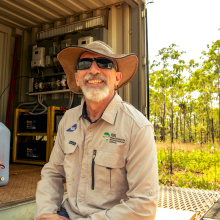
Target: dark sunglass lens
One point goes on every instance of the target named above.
(105, 63)
(84, 64)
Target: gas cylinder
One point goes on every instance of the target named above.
(4, 154)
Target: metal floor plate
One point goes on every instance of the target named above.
(186, 199)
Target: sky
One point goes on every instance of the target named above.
(191, 24)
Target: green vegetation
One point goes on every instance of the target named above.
(198, 168)
(185, 108)
(185, 96)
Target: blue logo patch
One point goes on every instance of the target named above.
(72, 142)
(73, 128)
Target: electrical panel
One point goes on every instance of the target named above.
(38, 57)
(50, 83)
(46, 72)
(83, 41)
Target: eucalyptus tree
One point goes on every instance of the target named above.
(213, 64)
(159, 82)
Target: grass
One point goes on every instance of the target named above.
(193, 166)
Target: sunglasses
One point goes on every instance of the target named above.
(103, 63)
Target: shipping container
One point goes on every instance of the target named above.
(31, 30)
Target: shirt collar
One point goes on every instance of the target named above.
(110, 112)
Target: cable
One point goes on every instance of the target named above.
(71, 100)
(28, 103)
(11, 83)
(40, 101)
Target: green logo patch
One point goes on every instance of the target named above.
(106, 136)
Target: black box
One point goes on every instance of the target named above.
(35, 150)
(58, 118)
(33, 123)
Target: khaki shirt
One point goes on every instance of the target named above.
(110, 167)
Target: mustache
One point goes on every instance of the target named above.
(95, 77)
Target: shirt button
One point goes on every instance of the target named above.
(79, 199)
(151, 193)
(83, 176)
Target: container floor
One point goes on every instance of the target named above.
(22, 183)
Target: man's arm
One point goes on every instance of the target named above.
(142, 176)
(50, 190)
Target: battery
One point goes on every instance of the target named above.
(33, 123)
(35, 150)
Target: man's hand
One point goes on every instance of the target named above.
(51, 217)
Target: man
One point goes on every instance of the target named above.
(104, 150)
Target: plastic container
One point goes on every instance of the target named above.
(4, 154)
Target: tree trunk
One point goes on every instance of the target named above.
(213, 139)
(207, 133)
(176, 127)
(172, 119)
(201, 139)
(190, 135)
(195, 125)
(212, 129)
(204, 131)
(155, 131)
(181, 135)
(184, 126)
(163, 134)
(218, 101)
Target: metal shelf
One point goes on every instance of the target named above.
(32, 134)
(30, 161)
(49, 92)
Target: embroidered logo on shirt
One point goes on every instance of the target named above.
(73, 128)
(72, 142)
(114, 139)
(106, 136)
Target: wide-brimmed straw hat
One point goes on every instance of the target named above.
(126, 63)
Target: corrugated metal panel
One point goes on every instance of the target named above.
(30, 13)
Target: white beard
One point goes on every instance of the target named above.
(95, 94)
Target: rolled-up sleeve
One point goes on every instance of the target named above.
(50, 189)
(142, 176)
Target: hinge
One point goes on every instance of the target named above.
(144, 63)
(143, 14)
(145, 110)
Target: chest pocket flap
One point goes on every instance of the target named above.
(69, 146)
(108, 159)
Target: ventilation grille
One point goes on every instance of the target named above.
(94, 22)
(186, 199)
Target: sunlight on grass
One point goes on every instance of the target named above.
(191, 165)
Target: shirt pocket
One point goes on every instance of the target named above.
(70, 152)
(109, 172)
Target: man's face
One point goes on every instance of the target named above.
(96, 83)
